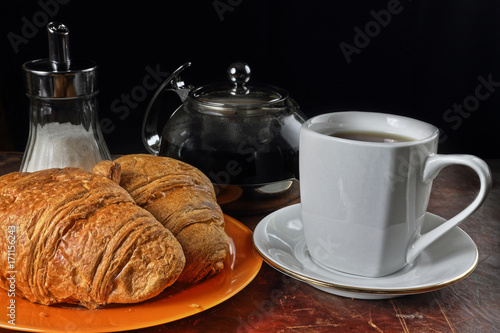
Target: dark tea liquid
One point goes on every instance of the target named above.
(238, 165)
(369, 136)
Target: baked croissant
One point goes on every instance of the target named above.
(81, 239)
(183, 199)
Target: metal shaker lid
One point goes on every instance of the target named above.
(59, 76)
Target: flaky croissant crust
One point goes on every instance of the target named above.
(183, 199)
(80, 238)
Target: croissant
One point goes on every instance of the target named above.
(183, 199)
(80, 238)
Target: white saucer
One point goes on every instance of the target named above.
(280, 241)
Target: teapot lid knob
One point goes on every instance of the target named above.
(239, 73)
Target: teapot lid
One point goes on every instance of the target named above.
(236, 98)
(238, 93)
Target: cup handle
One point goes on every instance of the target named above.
(433, 165)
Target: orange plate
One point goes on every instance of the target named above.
(169, 306)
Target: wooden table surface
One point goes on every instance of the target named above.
(273, 302)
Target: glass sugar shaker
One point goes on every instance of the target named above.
(64, 129)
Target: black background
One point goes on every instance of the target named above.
(425, 61)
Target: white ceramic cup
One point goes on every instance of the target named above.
(363, 203)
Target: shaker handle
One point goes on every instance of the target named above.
(150, 137)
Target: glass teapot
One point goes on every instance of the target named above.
(244, 136)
